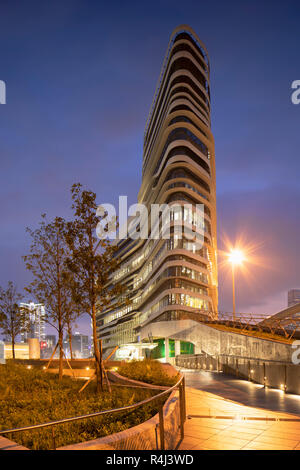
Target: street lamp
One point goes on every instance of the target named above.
(235, 257)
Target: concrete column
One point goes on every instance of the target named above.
(177, 347)
(167, 354)
(2, 353)
(141, 354)
(34, 348)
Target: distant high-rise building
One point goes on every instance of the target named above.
(293, 297)
(48, 346)
(51, 341)
(80, 346)
(35, 321)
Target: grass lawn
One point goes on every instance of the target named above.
(32, 396)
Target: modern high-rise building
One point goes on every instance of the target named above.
(35, 321)
(171, 279)
(80, 346)
(293, 297)
(47, 346)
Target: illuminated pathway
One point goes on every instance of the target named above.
(217, 423)
(242, 391)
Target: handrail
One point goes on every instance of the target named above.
(234, 356)
(98, 413)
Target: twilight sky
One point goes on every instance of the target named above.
(80, 78)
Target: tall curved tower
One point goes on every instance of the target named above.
(172, 279)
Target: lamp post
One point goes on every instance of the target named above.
(233, 291)
(236, 257)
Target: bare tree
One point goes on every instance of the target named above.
(71, 318)
(12, 317)
(52, 280)
(93, 260)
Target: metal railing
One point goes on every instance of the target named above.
(180, 385)
(288, 327)
(270, 373)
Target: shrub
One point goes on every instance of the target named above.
(149, 371)
(32, 396)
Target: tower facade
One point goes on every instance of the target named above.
(35, 322)
(172, 279)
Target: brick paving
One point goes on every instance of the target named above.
(237, 431)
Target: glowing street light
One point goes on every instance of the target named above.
(235, 257)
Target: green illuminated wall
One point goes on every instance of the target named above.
(159, 352)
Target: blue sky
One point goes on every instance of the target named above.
(80, 79)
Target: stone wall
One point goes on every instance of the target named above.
(213, 341)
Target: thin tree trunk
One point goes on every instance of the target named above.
(98, 365)
(13, 347)
(60, 314)
(70, 340)
(60, 343)
(52, 355)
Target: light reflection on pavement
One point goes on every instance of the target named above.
(242, 391)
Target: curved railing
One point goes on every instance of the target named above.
(179, 385)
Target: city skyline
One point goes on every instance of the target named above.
(99, 82)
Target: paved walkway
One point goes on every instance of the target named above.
(242, 391)
(6, 444)
(236, 432)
